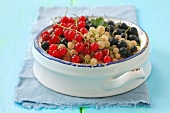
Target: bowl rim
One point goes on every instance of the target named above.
(43, 53)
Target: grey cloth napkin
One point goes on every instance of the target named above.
(31, 94)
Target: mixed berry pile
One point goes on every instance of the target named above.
(90, 41)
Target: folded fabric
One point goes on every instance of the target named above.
(31, 94)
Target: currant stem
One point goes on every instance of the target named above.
(53, 20)
(106, 17)
(66, 11)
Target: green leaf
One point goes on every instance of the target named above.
(99, 21)
(93, 21)
(105, 24)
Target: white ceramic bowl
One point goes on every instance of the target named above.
(86, 81)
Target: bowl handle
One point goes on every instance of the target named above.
(124, 79)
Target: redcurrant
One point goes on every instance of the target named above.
(75, 59)
(63, 51)
(56, 53)
(70, 20)
(78, 38)
(98, 55)
(94, 46)
(71, 35)
(107, 59)
(105, 52)
(54, 39)
(45, 37)
(87, 50)
(82, 18)
(55, 26)
(64, 19)
(79, 47)
(45, 32)
(58, 31)
(83, 30)
(81, 24)
(53, 47)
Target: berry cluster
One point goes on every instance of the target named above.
(79, 40)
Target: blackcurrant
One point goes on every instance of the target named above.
(110, 22)
(123, 26)
(123, 50)
(113, 41)
(45, 45)
(110, 28)
(129, 54)
(123, 30)
(123, 35)
(64, 41)
(133, 48)
(133, 31)
(118, 31)
(133, 37)
(121, 43)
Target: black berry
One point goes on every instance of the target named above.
(133, 37)
(113, 41)
(133, 48)
(121, 43)
(117, 32)
(45, 45)
(123, 50)
(110, 22)
(123, 26)
(129, 54)
(64, 41)
(133, 31)
(110, 28)
(123, 35)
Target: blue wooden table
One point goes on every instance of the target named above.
(17, 16)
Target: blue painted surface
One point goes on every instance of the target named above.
(16, 18)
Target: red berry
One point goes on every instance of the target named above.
(75, 59)
(56, 53)
(78, 38)
(107, 59)
(87, 50)
(55, 26)
(58, 31)
(73, 27)
(71, 35)
(69, 24)
(82, 18)
(66, 33)
(94, 46)
(54, 39)
(45, 37)
(83, 30)
(105, 52)
(45, 32)
(81, 24)
(63, 51)
(64, 19)
(98, 55)
(63, 24)
(53, 47)
(79, 47)
(70, 20)
(49, 42)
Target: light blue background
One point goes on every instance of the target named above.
(16, 21)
